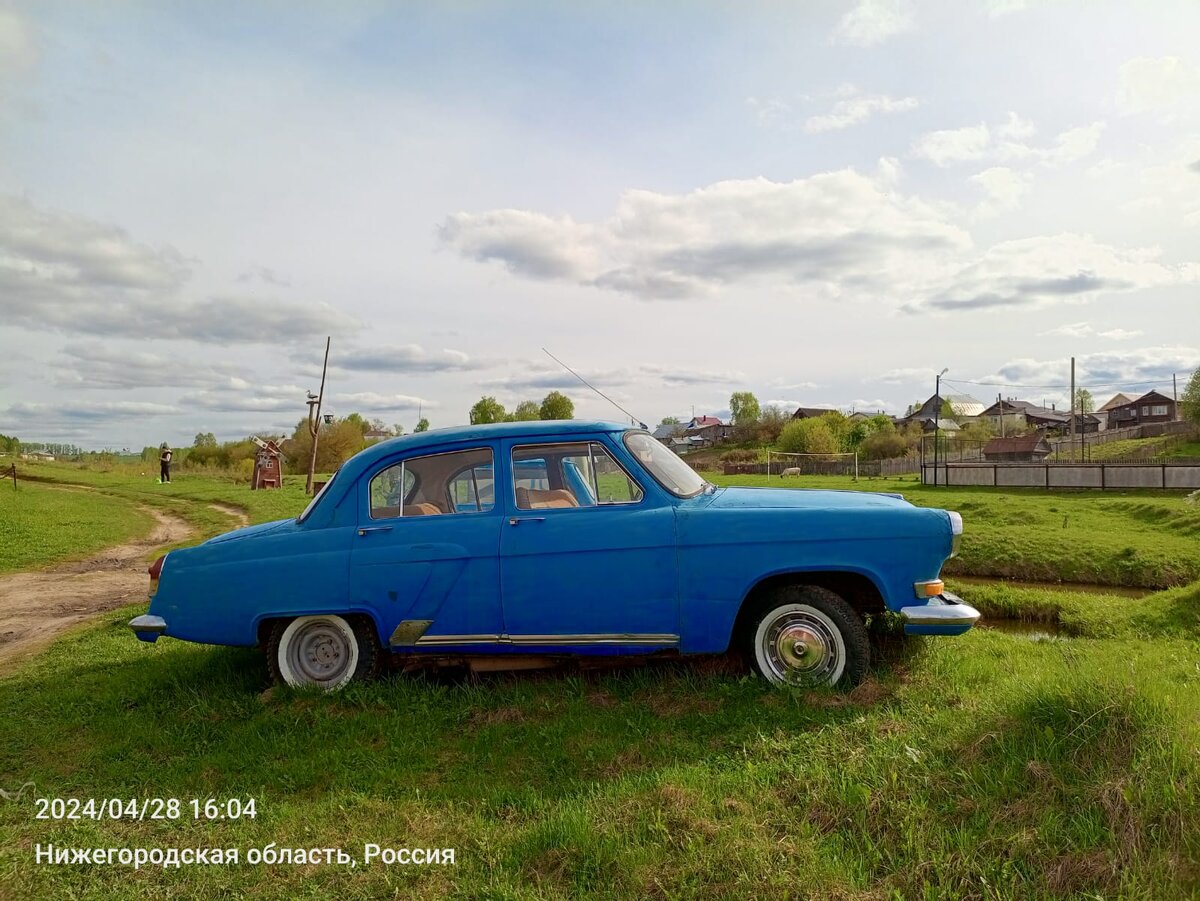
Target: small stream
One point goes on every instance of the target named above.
(1082, 587)
(1040, 631)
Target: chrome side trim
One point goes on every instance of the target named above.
(148, 623)
(529, 640)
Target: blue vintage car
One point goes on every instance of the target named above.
(513, 545)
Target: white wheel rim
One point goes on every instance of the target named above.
(796, 644)
(318, 650)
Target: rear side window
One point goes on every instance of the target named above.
(435, 485)
(580, 474)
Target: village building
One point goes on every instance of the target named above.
(1032, 448)
(1150, 407)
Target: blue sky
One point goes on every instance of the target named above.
(822, 203)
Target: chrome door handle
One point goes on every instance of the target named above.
(365, 529)
(517, 520)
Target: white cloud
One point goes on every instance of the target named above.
(372, 402)
(103, 366)
(856, 107)
(834, 232)
(954, 145)
(997, 8)
(872, 22)
(1087, 330)
(1004, 189)
(73, 274)
(1157, 84)
(1006, 143)
(19, 49)
(1054, 269)
(403, 358)
(1125, 370)
(770, 110)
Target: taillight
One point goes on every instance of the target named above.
(155, 569)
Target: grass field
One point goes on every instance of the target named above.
(986, 766)
(40, 524)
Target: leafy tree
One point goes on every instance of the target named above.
(670, 420)
(205, 439)
(771, 422)
(526, 411)
(487, 409)
(355, 419)
(9, 445)
(1190, 401)
(1084, 403)
(809, 436)
(884, 444)
(337, 444)
(557, 405)
(743, 406)
(422, 425)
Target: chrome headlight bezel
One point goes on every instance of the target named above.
(956, 531)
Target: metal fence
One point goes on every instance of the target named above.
(1175, 474)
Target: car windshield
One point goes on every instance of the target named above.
(312, 505)
(668, 470)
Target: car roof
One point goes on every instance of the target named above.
(464, 434)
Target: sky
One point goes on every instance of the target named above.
(822, 203)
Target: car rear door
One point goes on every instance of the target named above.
(425, 553)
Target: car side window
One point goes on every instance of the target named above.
(580, 474)
(435, 485)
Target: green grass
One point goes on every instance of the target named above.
(1184, 449)
(40, 525)
(985, 766)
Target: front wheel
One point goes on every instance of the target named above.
(807, 635)
(325, 650)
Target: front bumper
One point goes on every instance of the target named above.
(945, 614)
(147, 627)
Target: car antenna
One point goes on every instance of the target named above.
(593, 387)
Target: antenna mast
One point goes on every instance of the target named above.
(632, 418)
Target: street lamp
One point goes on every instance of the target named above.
(937, 419)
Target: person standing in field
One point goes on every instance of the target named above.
(164, 463)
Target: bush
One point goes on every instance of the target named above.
(741, 455)
(808, 436)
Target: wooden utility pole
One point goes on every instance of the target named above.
(314, 424)
(1072, 408)
(1000, 403)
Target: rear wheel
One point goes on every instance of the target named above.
(807, 635)
(325, 650)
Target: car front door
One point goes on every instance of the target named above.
(425, 551)
(587, 554)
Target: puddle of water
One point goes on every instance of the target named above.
(1027, 630)
(1082, 587)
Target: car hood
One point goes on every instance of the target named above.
(806, 498)
(265, 528)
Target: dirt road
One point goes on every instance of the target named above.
(37, 606)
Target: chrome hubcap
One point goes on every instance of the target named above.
(801, 647)
(319, 653)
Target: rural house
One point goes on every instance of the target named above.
(1019, 449)
(966, 409)
(1016, 415)
(1150, 407)
(812, 412)
(705, 431)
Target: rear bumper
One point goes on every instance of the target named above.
(944, 615)
(147, 627)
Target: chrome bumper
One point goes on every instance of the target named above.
(944, 615)
(147, 627)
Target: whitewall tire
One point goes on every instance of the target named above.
(807, 635)
(325, 650)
